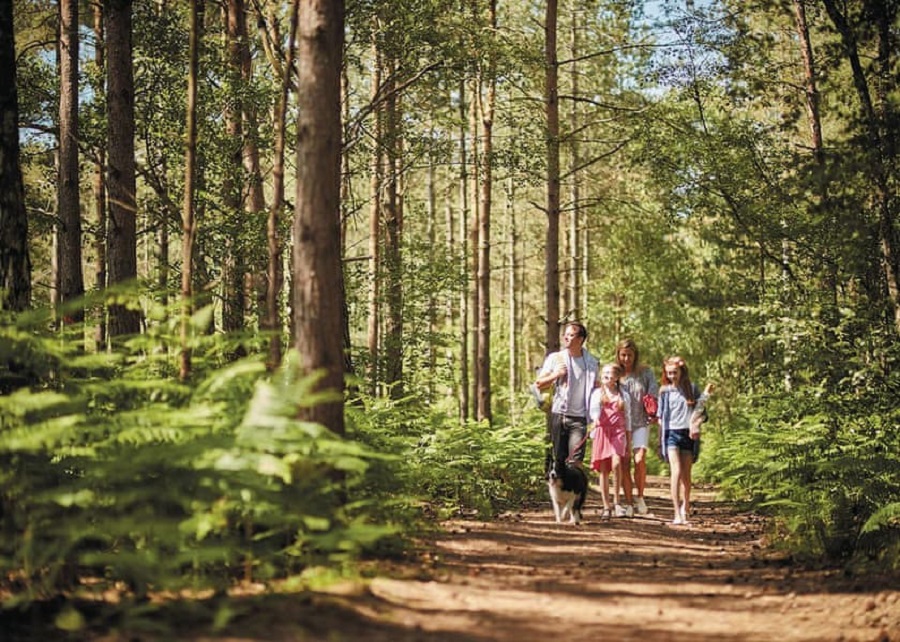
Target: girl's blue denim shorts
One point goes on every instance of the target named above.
(680, 439)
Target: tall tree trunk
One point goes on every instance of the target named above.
(15, 263)
(431, 235)
(551, 98)
(255, 277)
(70, 278)
(472, 245)
(373, 335)
(574, 272)
(484, 412)
(99, 189)
(318, 277)
(512, 296)
(809, 73)
(233, 266)
(274, 272)
(188, 221)
(121, 183)
(393, 243)
(463, 255)
(829, 278)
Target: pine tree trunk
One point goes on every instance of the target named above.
(255, 277)
(373, 335)
(15, 264)
(472, 243)
(99, 190)
(512, 296)
(233, 265)
(188, 220)
(484, 412)
(121, 182)
(274, 275)
(318, 279)
(431, 235)
(574, 271)
(551, 261)
(393, 240)
(463, 256)
(69, 277)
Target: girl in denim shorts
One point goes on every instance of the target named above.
(680, 409)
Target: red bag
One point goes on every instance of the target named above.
(650, 406)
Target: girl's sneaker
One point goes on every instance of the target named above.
(629, 511)
(620, 511)
(640, 506)
(604, 514)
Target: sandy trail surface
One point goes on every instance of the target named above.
(524, 577)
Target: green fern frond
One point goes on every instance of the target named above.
(887, 516)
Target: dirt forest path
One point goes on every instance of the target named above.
(523, 577)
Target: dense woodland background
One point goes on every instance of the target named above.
(214, 216)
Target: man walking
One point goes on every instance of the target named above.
(574, 372)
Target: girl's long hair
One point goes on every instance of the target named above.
(617, 371)
(684, 382)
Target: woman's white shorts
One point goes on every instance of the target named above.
(640, 437)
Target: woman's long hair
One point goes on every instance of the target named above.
(629, 344)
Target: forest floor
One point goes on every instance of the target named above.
(523, 577)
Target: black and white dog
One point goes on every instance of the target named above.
(568, 489)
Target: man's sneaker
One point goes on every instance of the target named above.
(641, 506)
(629, 511)
(620, 510)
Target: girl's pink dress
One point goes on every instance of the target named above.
(609, 437)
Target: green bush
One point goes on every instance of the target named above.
(115, 478)
(824, 461)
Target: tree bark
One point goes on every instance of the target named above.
(233, 266)
(393, 241)
(69, 277)
(513, 296)
(551, 98)
(15, 263)
(574, 271)
(463, 256)
(376, 186)
(188, 221)
(809, 73)
(121, 182)
(472, 244)
(275, 277)
(318, 278)
(484, 411)
(99, 189)
(255, 274)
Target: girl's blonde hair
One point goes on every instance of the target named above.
(617, 373)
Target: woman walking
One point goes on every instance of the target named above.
(639, 384)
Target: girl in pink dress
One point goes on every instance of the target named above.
(610, 417)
